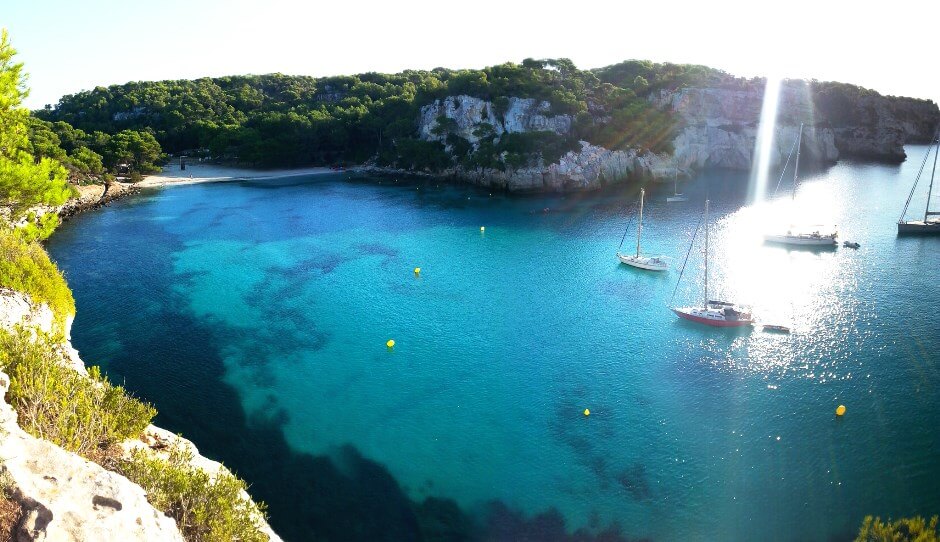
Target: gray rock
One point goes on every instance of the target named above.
(521, 115)
(64, 496)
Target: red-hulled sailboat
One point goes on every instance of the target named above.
(714, 313)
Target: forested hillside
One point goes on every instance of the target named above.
(280, 120)
(270, 120)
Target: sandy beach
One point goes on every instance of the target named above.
(207, 173)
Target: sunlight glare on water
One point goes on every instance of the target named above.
(508, 335)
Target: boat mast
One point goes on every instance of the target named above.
(639, 226)
(706, 254)
(796, 168)
(675, 182)
(932, 174)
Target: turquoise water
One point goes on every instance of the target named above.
(255, 315)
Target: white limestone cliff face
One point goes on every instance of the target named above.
(521, 115)
(17, 309)
(589, 168)
(720, 126)
(64, 496)
(719, 129)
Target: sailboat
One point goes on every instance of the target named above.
(814, 238)
(675, 190)
(927, 226)
(651, 263)
(711, 312)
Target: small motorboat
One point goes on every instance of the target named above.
(851, 244)
(775, 328)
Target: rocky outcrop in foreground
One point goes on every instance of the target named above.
(65, 497)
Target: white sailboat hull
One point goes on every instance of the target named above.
(654, 263)
(716, 315)
(677, 197)
(813, 240)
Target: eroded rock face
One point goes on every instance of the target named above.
(718, 127)
(521, 115)
(17, 309)
(587, 169)
(68, 498)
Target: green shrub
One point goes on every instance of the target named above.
(26, 268)
(914, 529)
(206, 508)
(88, 416)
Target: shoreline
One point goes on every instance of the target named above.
(210, 173)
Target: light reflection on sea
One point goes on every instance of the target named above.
(508, 334)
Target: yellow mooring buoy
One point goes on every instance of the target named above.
(390, 343)
(417, 270)
(840, 410)
(587, 412)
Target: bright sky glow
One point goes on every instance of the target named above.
(69, 46)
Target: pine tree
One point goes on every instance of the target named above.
(25, 181)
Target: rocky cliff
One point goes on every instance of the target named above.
(65, 497)
(715, 127)
(719, 126)
(469, 113)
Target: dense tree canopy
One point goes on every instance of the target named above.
(25, 180)
(281, 120)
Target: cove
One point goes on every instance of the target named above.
(254, 315)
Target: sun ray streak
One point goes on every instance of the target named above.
(764, 146)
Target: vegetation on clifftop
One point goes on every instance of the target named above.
(26, 268)
(916, 529)
(207, 508)
(85, 415)
(279, 120)
(91, 417)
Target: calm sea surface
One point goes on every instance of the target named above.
(254, 315)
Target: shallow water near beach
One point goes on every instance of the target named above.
(255, 315)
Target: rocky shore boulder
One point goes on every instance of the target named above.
(65, 497)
